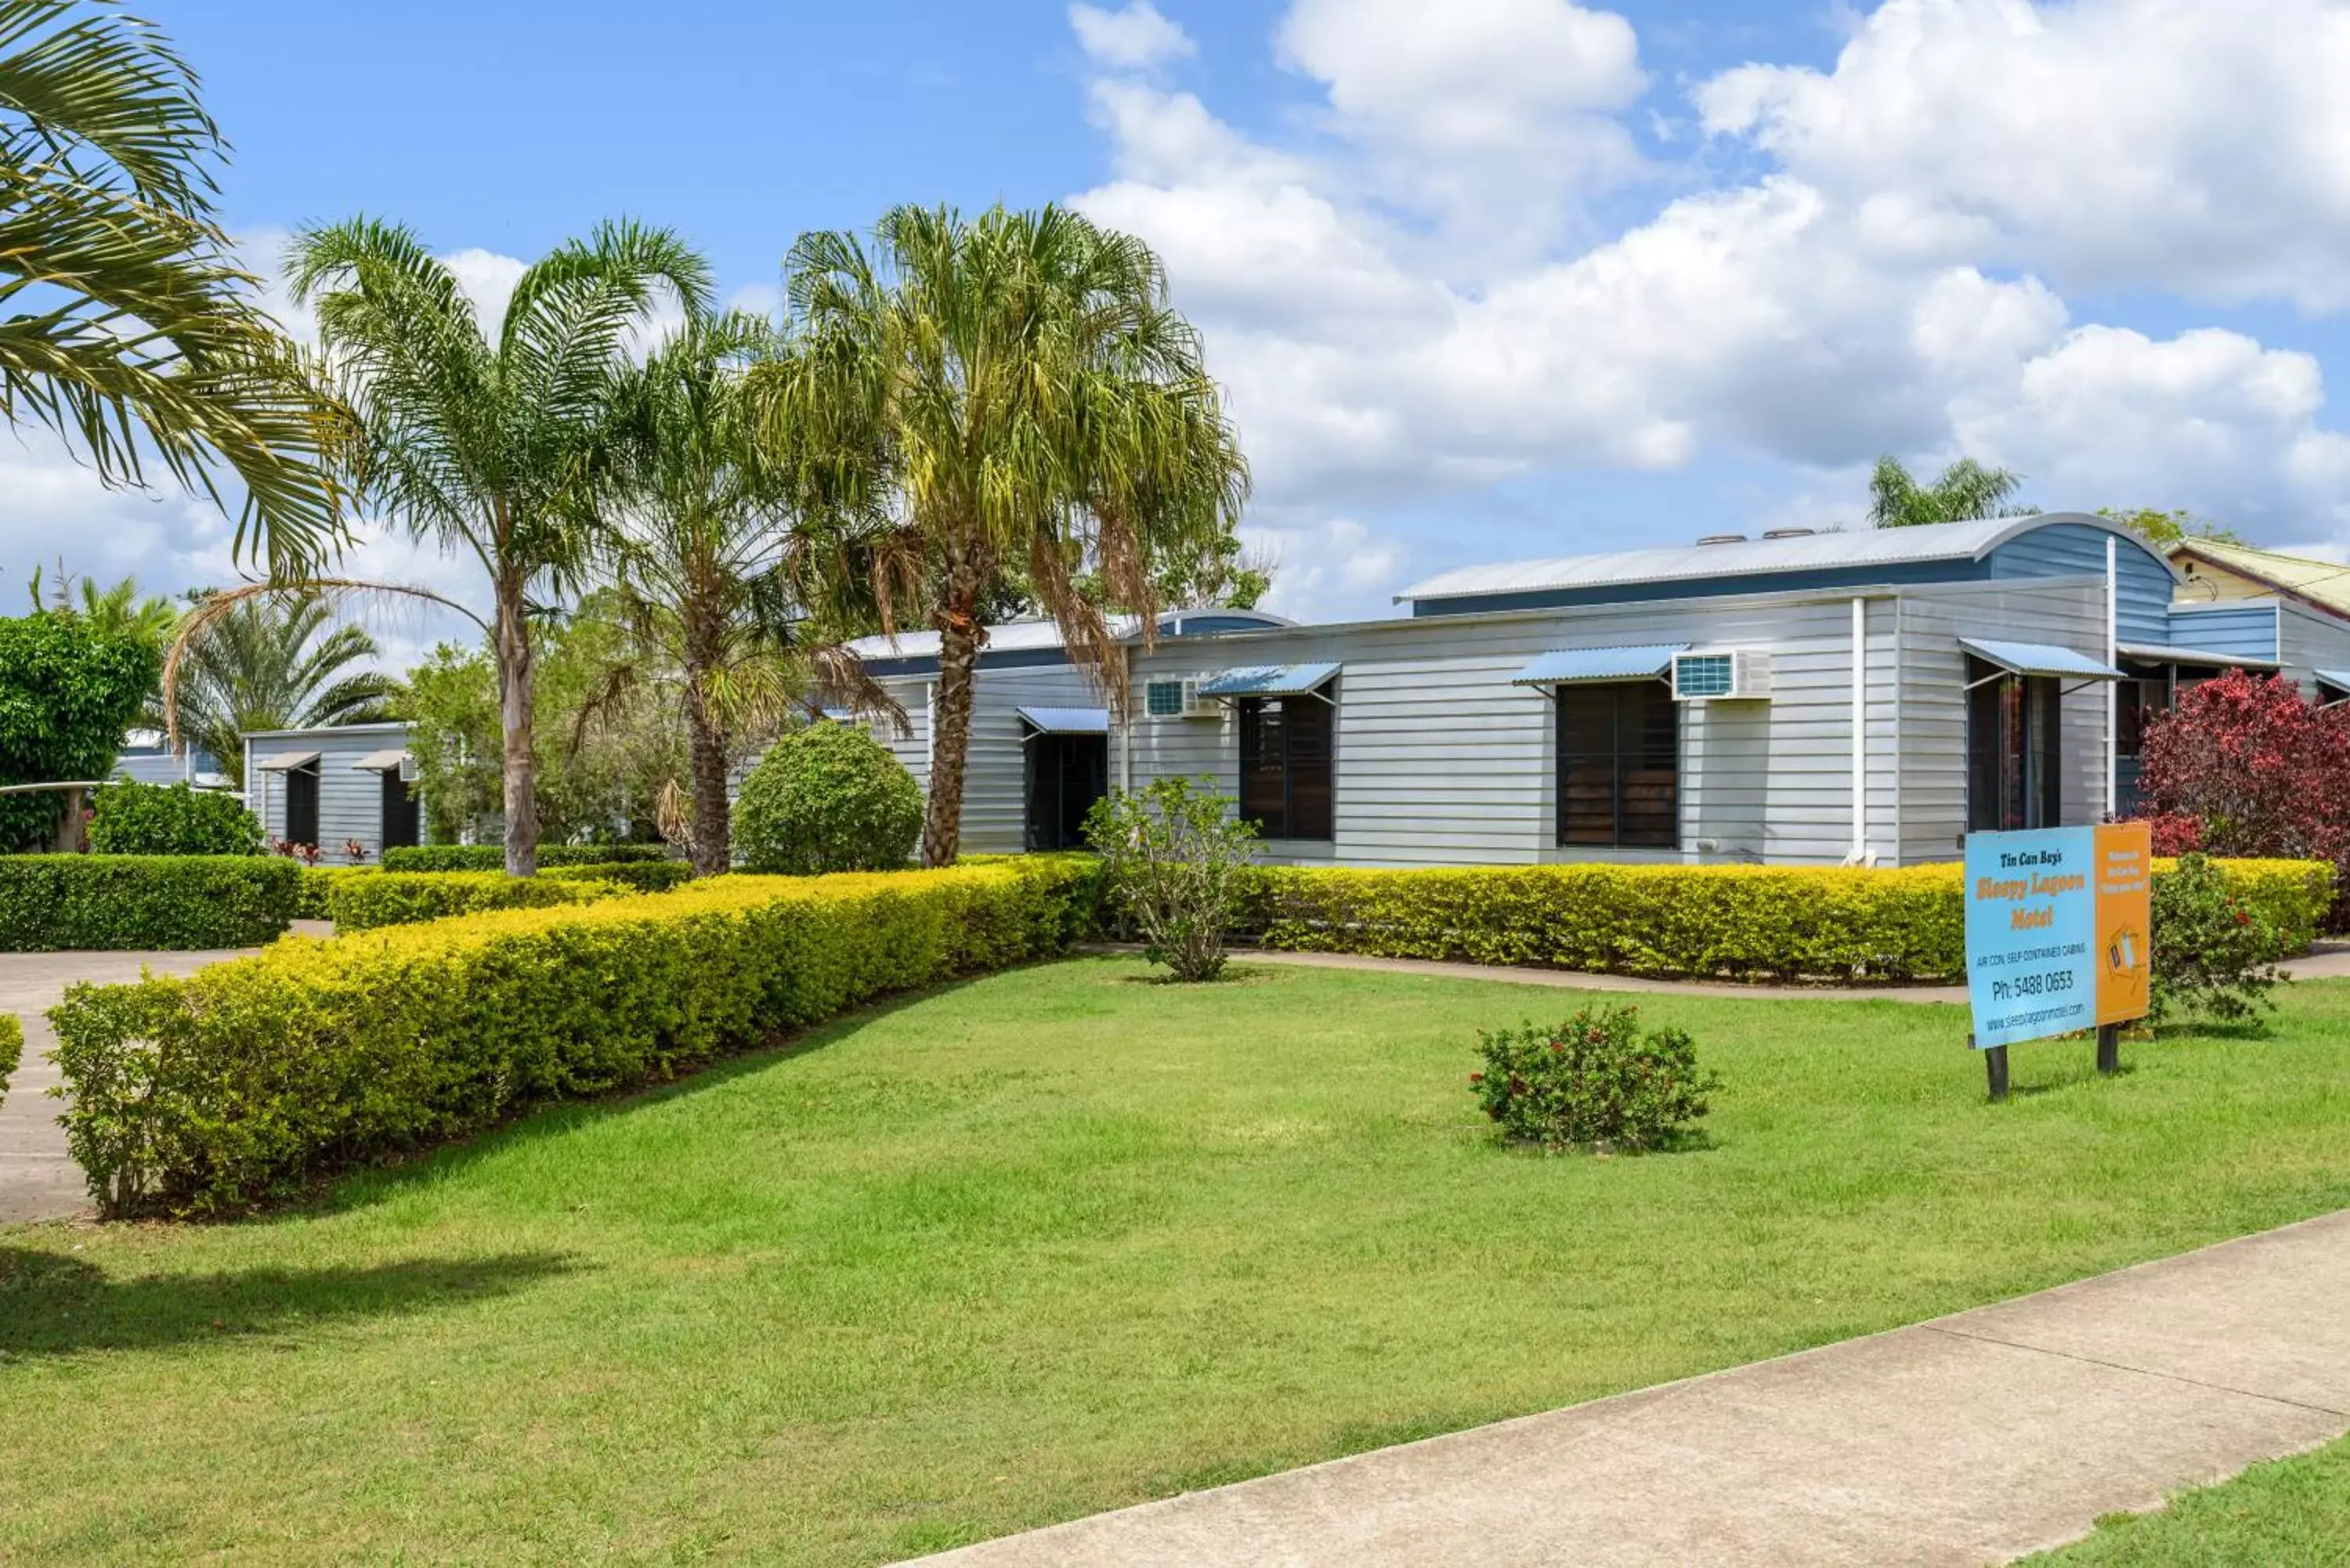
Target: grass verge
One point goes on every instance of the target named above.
(1061, 1240)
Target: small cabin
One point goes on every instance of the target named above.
(335, 786)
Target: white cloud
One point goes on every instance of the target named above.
(2197, 148)
(1812, 316)
(1330, 570)
(1129, 38)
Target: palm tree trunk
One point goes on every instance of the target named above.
(713, 843)
(959, 635)
(514, 712)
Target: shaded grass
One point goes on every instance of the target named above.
(1056, 1241)
(2292, 1513)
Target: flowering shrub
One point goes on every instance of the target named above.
(2261, 769)
(1595, 1081)
(2214, 951)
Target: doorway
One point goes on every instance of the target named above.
(1067, 774)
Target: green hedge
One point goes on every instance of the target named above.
(1732, 922)
(492, 857)
(12, 1050)
(250, 1080)
(644, 875)
(52, 902)
(404, 898)
(315, 899)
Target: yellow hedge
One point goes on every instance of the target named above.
(251, 1079)
(404, 898)
(1738, 922)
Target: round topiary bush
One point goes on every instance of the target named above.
(827, 798)
(153, 819)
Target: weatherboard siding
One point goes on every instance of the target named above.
(2241, 628)
(1933, 747)
(2310, 641)
(350, 802)
(2143, 584)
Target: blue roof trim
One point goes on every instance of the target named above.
(2039, 658)
(1895, 575)
(1269, 680)
(1066, 721)
(928, 663)
(1569, 666)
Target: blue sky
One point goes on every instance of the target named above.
(1484, 279)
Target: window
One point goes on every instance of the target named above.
(302, 804)
(1285, 765)
(1620, 765)
(2014, 762)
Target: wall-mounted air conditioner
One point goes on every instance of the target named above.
(1178, 699)
(1725, 675)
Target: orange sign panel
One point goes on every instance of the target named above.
(2122, 871)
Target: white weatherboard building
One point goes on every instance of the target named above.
(340, 784)
(1800, 698)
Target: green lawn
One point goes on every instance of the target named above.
(1063, 1240)
(2293, 1513)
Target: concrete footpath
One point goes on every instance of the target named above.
(1970, 1440)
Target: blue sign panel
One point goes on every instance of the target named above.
(2032, 932)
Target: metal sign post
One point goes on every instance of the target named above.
(2057, 938)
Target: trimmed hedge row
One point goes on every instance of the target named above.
(404, 898)
(492, 857)
(12, 1050)
(249, 1080)
(1736, 922)
(49, 903)
(316, 897)
(644, 875)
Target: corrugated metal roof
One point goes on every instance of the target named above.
(2325, 583)
(1068, 721)
(1752, 557)
(2151, 654)
(2040, 658)
(1567, 666)
(2337, 679)
(1268, 681)
(1024, 636)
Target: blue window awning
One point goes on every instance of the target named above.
(2337, 679)
(1269, 680)
(1568, 666)
(1065, 720)
(2151, 653)
(2039, 658)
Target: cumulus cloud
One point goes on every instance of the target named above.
(1886, 279)
(1132, 38)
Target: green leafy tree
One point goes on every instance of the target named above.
(2159, 528)
(702, 558)
(492, 446)
(1961, 492)
(274, 664)
(1032, 407)
(68, 694)
(827, 797)
(135, 337)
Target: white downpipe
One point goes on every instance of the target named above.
(930, 732)
(2113, 688)
(1859, 854)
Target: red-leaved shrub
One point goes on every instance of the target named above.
(2259, 769)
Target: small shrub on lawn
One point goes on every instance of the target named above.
(175, 819)
(49, 903)
(829, 797)
(1172, 861)
(1595, 1081)
(492, 857)
(12, 1050)
(404, 898)
(2215, 951)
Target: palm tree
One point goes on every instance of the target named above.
(1034, 403)
(134, 333)
(276, 665)
(1963, 492)
(702, 558)
(496, 448)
